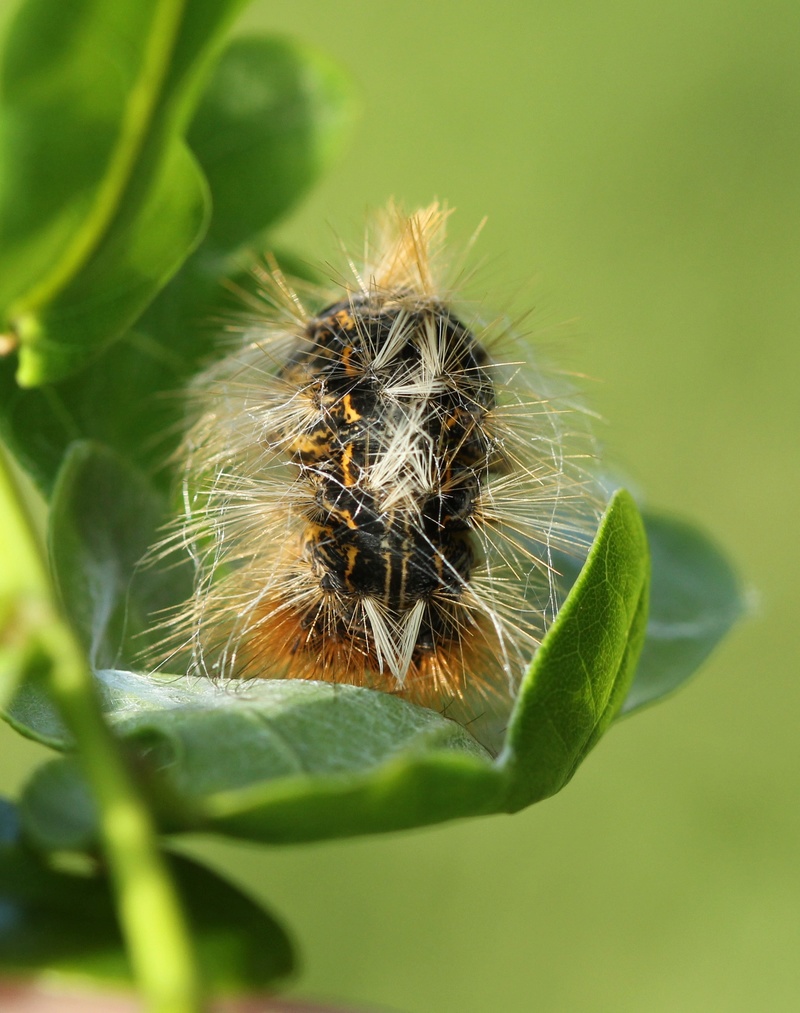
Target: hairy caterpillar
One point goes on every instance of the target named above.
(373, 494)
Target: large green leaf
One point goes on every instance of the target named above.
(148, 243)
(269, 760)
(273, 116)
(294, 760)
(57, 922)
(284, 761)
(261, 148)
(128, 398)
(100, 202)
(57, 810)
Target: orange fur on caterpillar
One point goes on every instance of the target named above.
(373, 493)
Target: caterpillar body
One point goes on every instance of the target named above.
(373, 495)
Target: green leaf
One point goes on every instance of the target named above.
(148, 243)
(291, 123)
(103, 519)
(582, 670)
(240, 947)
(695, 599)
(131, 396)
(87, 247)
(293, 760)
(271, 760)
(57, 811)
(9, 824)
(31, 711)
(274, 115)
(129, 399)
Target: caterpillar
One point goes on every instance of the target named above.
(373, 493)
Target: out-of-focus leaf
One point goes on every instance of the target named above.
(9, 823)
(31, 711)
(53, 921)
(582, 670)
(274, 114)
(100, 201)
(695, 599)
(103, 519)
(56, 809)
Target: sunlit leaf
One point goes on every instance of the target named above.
(280, 760)
(100, 201)
(135, 260)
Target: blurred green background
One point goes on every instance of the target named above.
(639, 165)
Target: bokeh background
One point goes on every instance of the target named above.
(639, 165)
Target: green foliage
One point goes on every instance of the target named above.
(83, 258)
(241, 946)
(290, 761)
(110, 261)
(273, 116)
(259, 157)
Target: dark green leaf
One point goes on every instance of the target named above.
(128, 396)
(100, 201)
(271, 119)
(695, 599)
(57, 810)
(9, 823)
(39, 930)
(103, 519)
(584, 666)
(55, 922)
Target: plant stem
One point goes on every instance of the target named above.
(25, 595)
(148, 906)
